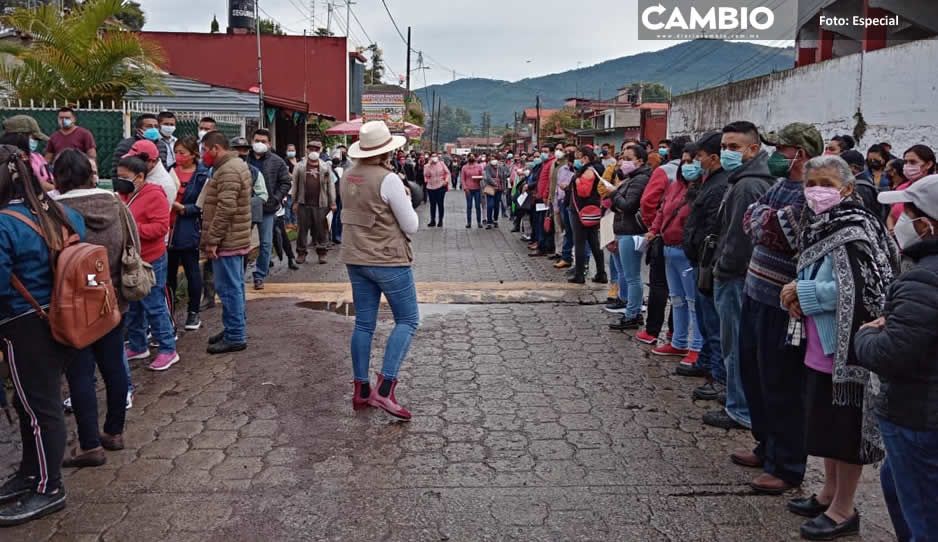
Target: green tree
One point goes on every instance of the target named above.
(268, 26)
(324, 32)
(83, 54)
(650, 92)
(564, 119)
(454, 122)
(215, 29)
(374, 73)
(132, 16)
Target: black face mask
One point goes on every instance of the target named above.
(124, 186)
(875, 164)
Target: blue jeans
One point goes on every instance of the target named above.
(473, 199)
(910, 481)
(437, 205)
(708, 320)
(288, 215)
(154, 311)
(630, 274)
(266, 232)
(491, 207)
(107, 354)
(229, 285)
(337, 217)
(397, 285)
(682, 285)
(729, 299)
(566, 252)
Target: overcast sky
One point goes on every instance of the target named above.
(500, 39)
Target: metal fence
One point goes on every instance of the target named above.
(112, 122)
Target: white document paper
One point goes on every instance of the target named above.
(522, 198)
(606, 232)
(541, 207)
(640, 243)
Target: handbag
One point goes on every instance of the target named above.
(656, 245)
(548, 223)
(489, 190)
(137, 277)
(590, 216)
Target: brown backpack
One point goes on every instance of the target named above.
(84, 306)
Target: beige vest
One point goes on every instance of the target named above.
(370, 232)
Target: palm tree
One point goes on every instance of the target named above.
(82, 55)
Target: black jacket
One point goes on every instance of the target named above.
(905, 353)
(187, 229)
(626, 201)
(276, 177)
(702, 220)
(747, 184)
(123, 147)
(868, 194)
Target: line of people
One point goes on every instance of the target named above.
(780, 276)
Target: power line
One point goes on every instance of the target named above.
(399, 33)
(281, 25)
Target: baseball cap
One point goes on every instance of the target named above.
(923, 194)
(24, 124)
(239, 142)
(797, 134)
(144, 146)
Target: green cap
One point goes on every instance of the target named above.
(797, 134)
(24, 124)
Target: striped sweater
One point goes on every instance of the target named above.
(774, 260)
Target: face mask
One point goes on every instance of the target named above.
(663, 153)
(67, 123)
(313, 156)
(912, 172)
(260, 148)
(779, 164)
(291, 154)
(731, 160)
(124, 186)
(208, 159)
(875, 164)
(578, 163)
(691, 171)
(202, 134)
(183, 159)
(152, 134)
(167, 130)
(435, 159)
(628, 167)
(821, 199)
(494, 163)
(33, 145)
(906, 235)
(544, 156)
(559, 155)
(831, 153)
(537, 161)
(511, 157)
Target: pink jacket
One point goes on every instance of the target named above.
(466, 176)
(436, 175)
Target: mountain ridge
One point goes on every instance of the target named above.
(683, 67)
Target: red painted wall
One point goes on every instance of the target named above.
(231, 60)
(654, 126)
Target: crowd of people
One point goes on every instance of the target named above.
(800, 284)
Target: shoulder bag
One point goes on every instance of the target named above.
(137, 277)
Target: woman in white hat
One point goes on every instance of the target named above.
(378, 219)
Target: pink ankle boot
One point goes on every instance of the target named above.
(358, 402)
(388, 404)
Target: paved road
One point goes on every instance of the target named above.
(531, 423)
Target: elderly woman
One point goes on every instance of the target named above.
(846, 262)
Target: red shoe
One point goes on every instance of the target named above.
(690, 359)
(644, 337)
(388, 404)
(359, 403)
(670, 351)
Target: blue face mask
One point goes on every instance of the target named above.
(691, 171)
(577, 164)
(663, 153)
(33, 145)
(544, 156)
(153, 134)
(731, 160)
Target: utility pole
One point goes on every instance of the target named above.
(408, 61)
(329, 8)
(537, 124)
(433, 119)
(312, 17)
(260, 67)
(348, 18)
(439, 113)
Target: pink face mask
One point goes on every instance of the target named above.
(821, 199)
(628, 167)
(912, 172)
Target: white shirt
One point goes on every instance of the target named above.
(168, 182)
(393, 193)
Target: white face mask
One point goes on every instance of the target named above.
(494, 162)
(202, 134)
(313, 157)
(167, 130)
(291, 154)
(559, 154)
(906, 235)
(260, 148)
(435, 159)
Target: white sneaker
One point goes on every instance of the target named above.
(67, 404)
(130, 399)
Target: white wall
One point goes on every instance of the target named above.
(896, 89)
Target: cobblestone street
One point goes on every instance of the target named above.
(531, 422)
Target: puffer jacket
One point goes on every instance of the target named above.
(904, 353)
(702, 220)
(226, 209)
(670, 218)
(148, 206)
(626, 201)
(187, 227)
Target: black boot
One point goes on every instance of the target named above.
(291, 263)
(32, 506)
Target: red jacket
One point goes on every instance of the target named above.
(673, 214)
(148, 207)
(543, 179)
(651, 197)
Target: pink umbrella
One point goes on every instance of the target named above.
(352, 127)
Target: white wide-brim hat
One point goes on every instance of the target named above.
(375, 139)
